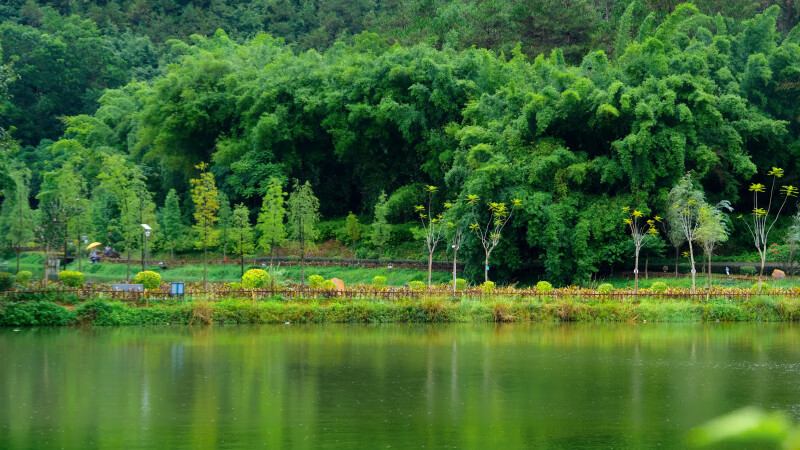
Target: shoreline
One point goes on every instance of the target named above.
(106, 312)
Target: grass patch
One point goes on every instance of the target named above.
(109, 272)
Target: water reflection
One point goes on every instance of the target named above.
(399, 385)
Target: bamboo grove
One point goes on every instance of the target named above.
(568, 144)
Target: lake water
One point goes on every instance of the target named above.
(339, 386)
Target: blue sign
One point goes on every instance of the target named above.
(176, 289)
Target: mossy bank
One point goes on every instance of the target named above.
(104, 312)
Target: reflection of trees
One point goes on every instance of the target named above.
(464, 385)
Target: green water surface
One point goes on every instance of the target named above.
(399, 386)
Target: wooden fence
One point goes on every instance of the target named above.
(84, 294)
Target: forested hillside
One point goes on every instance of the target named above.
(364, 97)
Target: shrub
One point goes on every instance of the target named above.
(544, 287)
(36, 313)
(316, 281)
(659, 286)
(255, 279)
(148, 279)
(416, 285)
(747, 270)
(24, 277)
(71, 278)
(764, 287)
(604, 288)
(461, 284)
(235, 286)
(6, 281)
(487, 287)
(379, 281)
(328, 284)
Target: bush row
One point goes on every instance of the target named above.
(236, 311)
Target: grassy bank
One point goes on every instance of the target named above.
(238, 311)
(291, 274)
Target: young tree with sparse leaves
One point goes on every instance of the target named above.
(490, 234)
(241, 233)
(303, 217)
(353, 229)
(380, 227)
(686, 203)
(642, 231)
(761, 225)
(172, 221)
(206, 207)
(17, 217)
(432, 228)
(712, 230)
(455, 237)
(272, 232)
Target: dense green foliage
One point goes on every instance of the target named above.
(575, 134)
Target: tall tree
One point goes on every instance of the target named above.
(17, 217)
(270, 219)
(379, 235)
(455, 237)
(674, 232)
(241, 233)
(490, 234)
(206, 207)
(353, 230)
(712, 230)
(121, 180)
(172, 221)
(67, 185)
(761, 223)
(642, 231)
(432, 227)
(303, 217)
(687, 203)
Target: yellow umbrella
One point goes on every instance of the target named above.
(93, 245)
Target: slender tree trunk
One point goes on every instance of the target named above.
(128, 271)
(144, 255)
(19, 228)
(430, 267)
(380, 252)
(242, 264)
(205, 264)
(172, 253)
(79, 253)
(761, 272)
(65, 248)
(709, 271)
(636, 273)
(646, 265)
(694, 272)
(302, 255)
(677, 253)
(455, 254)
(46, 264)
